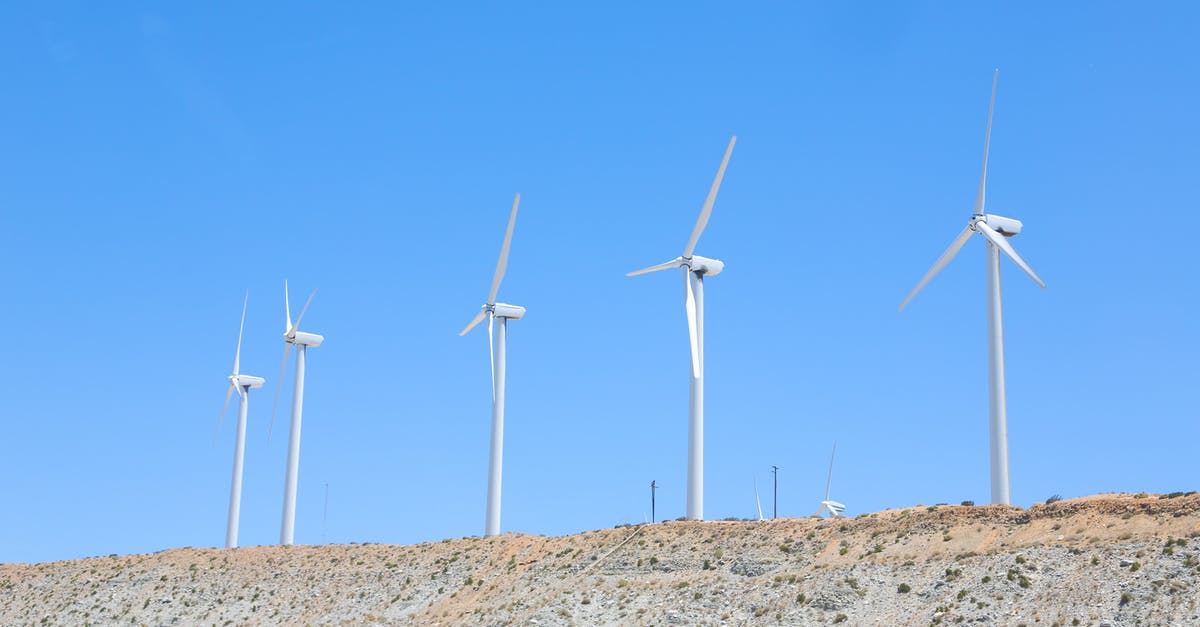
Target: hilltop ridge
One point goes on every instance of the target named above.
(1112, 559)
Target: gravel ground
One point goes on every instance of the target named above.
(1107, 559)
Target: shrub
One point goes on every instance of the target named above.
(1020, 559)
(840, 618)
(1023, 581)
(1053, 499)
(986, 579)
(1126, 598)
(969, 503)
(1134, 567)
(904, 588)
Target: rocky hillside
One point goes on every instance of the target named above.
(1109, 559)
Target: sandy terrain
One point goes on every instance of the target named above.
(1107, 559)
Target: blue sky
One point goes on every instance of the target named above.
(159, 161)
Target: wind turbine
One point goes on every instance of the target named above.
(293, 336)
(995, 230)
(497, 347)
(242, 383)
(694, 269)
(834, 508)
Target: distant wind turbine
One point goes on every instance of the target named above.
(995, 231)
(834, 508)
(497, 348)
(695, 268)
(293, 337)
(242, 384)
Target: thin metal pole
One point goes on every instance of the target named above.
(653, 487)
(775, 505)
(998, 411)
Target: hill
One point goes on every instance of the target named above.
(1107, 559)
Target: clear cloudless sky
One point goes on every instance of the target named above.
(157, 161)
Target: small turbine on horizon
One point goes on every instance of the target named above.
(242, 384)
(834, 508)
(292, 336)
(995, 230)
(695, 268)
(497, 347)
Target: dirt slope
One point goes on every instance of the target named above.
(1115, 559)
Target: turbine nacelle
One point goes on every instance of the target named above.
(504, 310)
(1007, 227)
(300, 338)
(246, 381)
(704, 265)
(695, 263)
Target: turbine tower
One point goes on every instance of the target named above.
(694, 268)
(834, 508)
(497, 345)
(292, 336)
(242, 383)
(995, 230)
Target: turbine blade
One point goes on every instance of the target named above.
(287, 310)
(296, 327)
(502, 263)
(829, 477)
(941, 263)
(474, 321)
(987, 140)
(1001, 242)
(756, 501)
(492, 352)
(706, 211)
(237, 356)
(690, 305)
(287, 352)
(228, 395)
(662, 266)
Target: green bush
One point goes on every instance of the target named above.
(1053, 499)
(904, 588)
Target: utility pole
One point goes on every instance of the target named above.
(775, 504)
(653, 487)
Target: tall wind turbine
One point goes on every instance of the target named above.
(242, 383)
(995, 230)
(694, 268)
(293, 336)
(497, 345)
(834, 508)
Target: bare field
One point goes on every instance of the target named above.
(1106, 559)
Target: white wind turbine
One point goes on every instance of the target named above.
(242, 383)
(695, 268)
(834, 508)
(995, 230)
(497, 347)
(293, 337)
